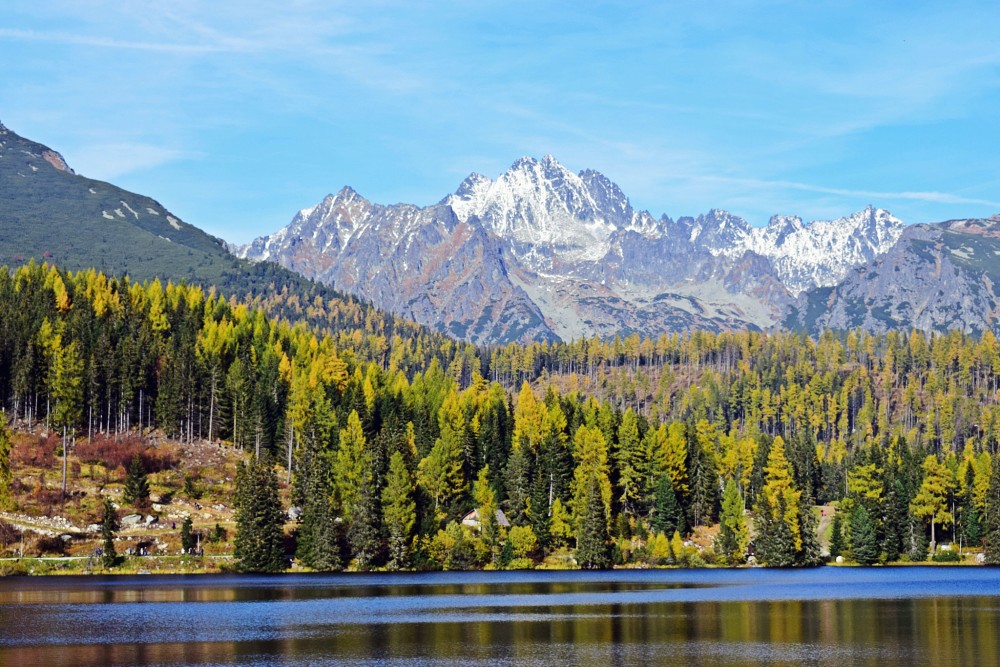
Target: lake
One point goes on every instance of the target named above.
(884, 617)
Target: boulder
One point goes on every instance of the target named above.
(131, 520)
(150, 519)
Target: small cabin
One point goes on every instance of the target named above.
(472, 519)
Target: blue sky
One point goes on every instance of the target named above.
(236, 114)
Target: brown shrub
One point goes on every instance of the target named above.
(112, 453)
(50, 545)
(8, 534)
(37, 452)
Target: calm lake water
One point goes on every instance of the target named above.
(830, 616)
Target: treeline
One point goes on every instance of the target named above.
(392, 435)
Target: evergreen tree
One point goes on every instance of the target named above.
(837, 546)
(593, 543)
(136, 491)
(187, 536)
(704, 496)
(895, 518)
(318, 544)
(538, 510)
(259, 542)
(365, 531)
(6, 477)
(668, 516)
(811, 554)
(399, 511)
(992, 551)
(864, 542)
(109, 525)
(775, 540)
(731, 542)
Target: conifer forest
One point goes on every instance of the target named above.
(366, 442)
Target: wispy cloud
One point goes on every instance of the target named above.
(109, 161)
(875, 195)
(105, 42)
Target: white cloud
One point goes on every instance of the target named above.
(110, 161)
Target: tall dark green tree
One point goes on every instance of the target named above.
(593, 543)
(837, 543)
(6, 478)
(188, 539)
(109, 526)
(259, 542)
(668, 516)
(775, 543)
(136, 491)
(992, 550)
(365, 531)
(864, 541)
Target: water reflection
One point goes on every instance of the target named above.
(716, 618)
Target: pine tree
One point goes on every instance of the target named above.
(992, 551)
(668, 516)
(593, 543)
(187, 536)
(399, 511)
(538, 510)
(318, 544)
(365, 531)
(731, 542)
(775, 541)
(136, 491)
(259, 541)
(109, 525)
(837, 545)
(864, 542)
(6, 477)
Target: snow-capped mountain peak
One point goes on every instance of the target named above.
(822, 252)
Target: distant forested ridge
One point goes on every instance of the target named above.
(615, 449)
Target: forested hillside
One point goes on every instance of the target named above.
(616, 449)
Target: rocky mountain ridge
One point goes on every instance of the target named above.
(545, 252)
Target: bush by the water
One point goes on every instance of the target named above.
(946, 556)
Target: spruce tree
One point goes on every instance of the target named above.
(775, 540)
(538, 511)
(365, 531)
(259, 542)
(837, 546)
(864, 542)
(992, 551)
(136, 484)
(187, 536)
(109, 525)
(6, 478)
(593, 545)
(668, 516)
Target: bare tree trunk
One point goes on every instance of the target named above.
(65, 452)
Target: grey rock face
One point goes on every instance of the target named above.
(542, 252)
(937, 277)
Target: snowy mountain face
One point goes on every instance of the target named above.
(542, 252)
(547, 213)
(803, 256)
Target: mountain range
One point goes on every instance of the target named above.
(539, 253)
(542, 252)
